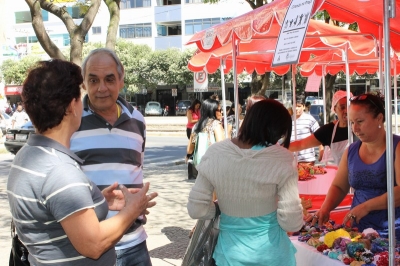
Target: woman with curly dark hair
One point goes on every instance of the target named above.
(59, 214)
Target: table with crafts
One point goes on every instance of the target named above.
(316, 188)
(309, 256)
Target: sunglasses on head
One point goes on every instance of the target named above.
(364, 97)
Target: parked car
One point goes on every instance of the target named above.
(17, 137)
(314, 100)
(153, 108)
(6, 123)
(133, 104)
(182, 107)
(317, 111)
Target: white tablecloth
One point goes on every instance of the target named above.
(319, 185)
(310, 256)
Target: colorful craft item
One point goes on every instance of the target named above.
(308, 171)
(330, 237)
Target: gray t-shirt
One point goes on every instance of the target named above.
(45, 186)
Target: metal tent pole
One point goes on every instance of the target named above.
(387, 6)
(346, 59)
(221, 68)
(235, 51)
(323, 90)
(395, 93)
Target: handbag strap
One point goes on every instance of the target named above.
(12, 229)
(217, 210)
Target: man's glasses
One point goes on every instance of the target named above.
(364, 97)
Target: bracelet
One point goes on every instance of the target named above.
(188, 155)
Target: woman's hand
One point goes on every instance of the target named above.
(115, 198)
(321, 216)
(355, 214)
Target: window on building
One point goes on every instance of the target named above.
(194, 1)
(141, 30)
(125, 4)
(25, 16)
(195, 25)
(96, 30)
(75, 12)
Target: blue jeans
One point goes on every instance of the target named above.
(134, 256)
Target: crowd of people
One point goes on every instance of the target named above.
(76, 190)
(240, 182)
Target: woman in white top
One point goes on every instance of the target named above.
(256, 183)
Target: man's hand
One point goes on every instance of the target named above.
(140, 201)
(115, 198)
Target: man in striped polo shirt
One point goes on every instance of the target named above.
(305, 126)
(111, 140)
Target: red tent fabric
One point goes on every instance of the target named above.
(368, 15)
(333, 63)
(319, 36)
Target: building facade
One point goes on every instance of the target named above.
(160, 24)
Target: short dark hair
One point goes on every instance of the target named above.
(48, 90)
(267, 121)
(208, 110)
(300, 100)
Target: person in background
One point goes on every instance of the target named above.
(305, 126)
(111, 140)
(363, 168)
(257, 207)
(231, 121)
(307, 108)
(58, 212)
(334, 134)
(208, 122)
(193, 115)
(19, 117)
(252, 99)
(214, 97)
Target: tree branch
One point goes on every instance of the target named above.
(59, 12)
(37, 23)
(90, 15)
(251, 3)
(114, 10)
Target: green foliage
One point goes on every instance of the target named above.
(134, 58)
(15, 71)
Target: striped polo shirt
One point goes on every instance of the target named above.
(113, 153)
(45, 186)
(305, 126)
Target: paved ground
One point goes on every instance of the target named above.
(168, 222)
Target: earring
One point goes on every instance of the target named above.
(379, 126)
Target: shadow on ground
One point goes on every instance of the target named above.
(179, 238)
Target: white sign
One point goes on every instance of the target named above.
(208, 39)
(293, 32)
(200, 81)
(174, 92)
(313, 83)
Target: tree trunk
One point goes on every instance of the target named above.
(114, 9)
(329, 82)
(259, 83)
(76, 33)
(40, 31)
